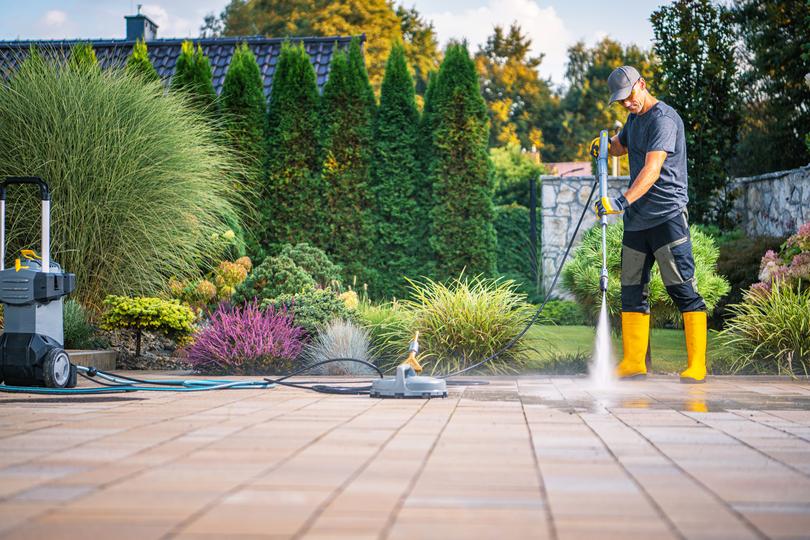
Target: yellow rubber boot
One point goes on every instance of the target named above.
(635, 337)
(695, 329)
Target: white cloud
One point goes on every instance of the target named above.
(170, 25)
(541, 24)
(54, 18)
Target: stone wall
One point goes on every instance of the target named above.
(773, 204)
(563, 200)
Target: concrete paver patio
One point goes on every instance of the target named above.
(527, 457)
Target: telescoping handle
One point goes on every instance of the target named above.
(45, 195)
(602, 168)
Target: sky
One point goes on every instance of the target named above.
(553, 25)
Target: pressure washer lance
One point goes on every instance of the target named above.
(602, 167)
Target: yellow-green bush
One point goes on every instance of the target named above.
(144, 313)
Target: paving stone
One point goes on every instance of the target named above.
(526, 457)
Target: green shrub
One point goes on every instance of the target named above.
(79, 333)
(390, 326)
(313, 309)
(513, 170)
(193, 77)
(293, 163)
(566, 364)
(739, 262)
(315, 262)
(581, 275)
(769, 331)
(136, 177)
(244, 112)
(347, 112)
(138, 62)
(564, 313)
(399, 249)
(462, 234)
(514, 248)
(155, 314)
(273, 277)
(83, 58)
(462, 323)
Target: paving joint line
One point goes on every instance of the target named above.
(177, 528)
(752, 447)
(342, 487)
(409, 489)
(753, 528)
(805, 439)
(552, 526)
(657, 507)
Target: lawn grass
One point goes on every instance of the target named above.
(668, 346)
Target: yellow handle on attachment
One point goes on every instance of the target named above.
(30, 254)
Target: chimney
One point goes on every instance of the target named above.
(140, 27)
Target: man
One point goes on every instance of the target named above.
(655, 223)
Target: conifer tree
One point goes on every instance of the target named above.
(138, 62)
(192, 74)
(399, 220)
(292, 199)
(462, 235)
(83, 57)
(347, 116)
(244, 111)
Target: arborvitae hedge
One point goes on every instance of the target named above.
(192, 74)
(514, 247)
(244, 112)
(398, 218)
(293, 207)
(138, 62)
(83, 57)
(462, 235)
(347, 116)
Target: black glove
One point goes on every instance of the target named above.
(594, 149)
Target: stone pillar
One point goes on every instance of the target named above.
(563, 200)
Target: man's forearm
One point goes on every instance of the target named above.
(615, 148)
(643, 182)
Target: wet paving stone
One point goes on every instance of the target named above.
(518, 457)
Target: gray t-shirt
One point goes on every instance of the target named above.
(660, 128)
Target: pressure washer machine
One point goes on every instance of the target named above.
(32, 293)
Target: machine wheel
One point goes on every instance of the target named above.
(56, 368)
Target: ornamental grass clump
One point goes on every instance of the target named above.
(769, 331)
(581, 275)
(467, 320)
(340, 339)
(245, 340)
(138, 179)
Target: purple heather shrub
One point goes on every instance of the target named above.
(800, 240)
(800, 267)
(246, 340)
(769, 267)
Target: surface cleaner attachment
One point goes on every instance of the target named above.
(406, 383)
(31, 346)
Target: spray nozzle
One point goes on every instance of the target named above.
(603, 283)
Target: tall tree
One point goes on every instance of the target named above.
(697, 77)
(297, 18)
(192, 75)
(585, 109)
(777, 115)
(462, 234)
(138, 62)
(291, 210)
(347, 115)
(520, 103)
(398, 218)
(244, 111)
(421, 46)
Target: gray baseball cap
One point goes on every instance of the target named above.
(621, 81)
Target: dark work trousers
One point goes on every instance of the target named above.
(671, 246)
